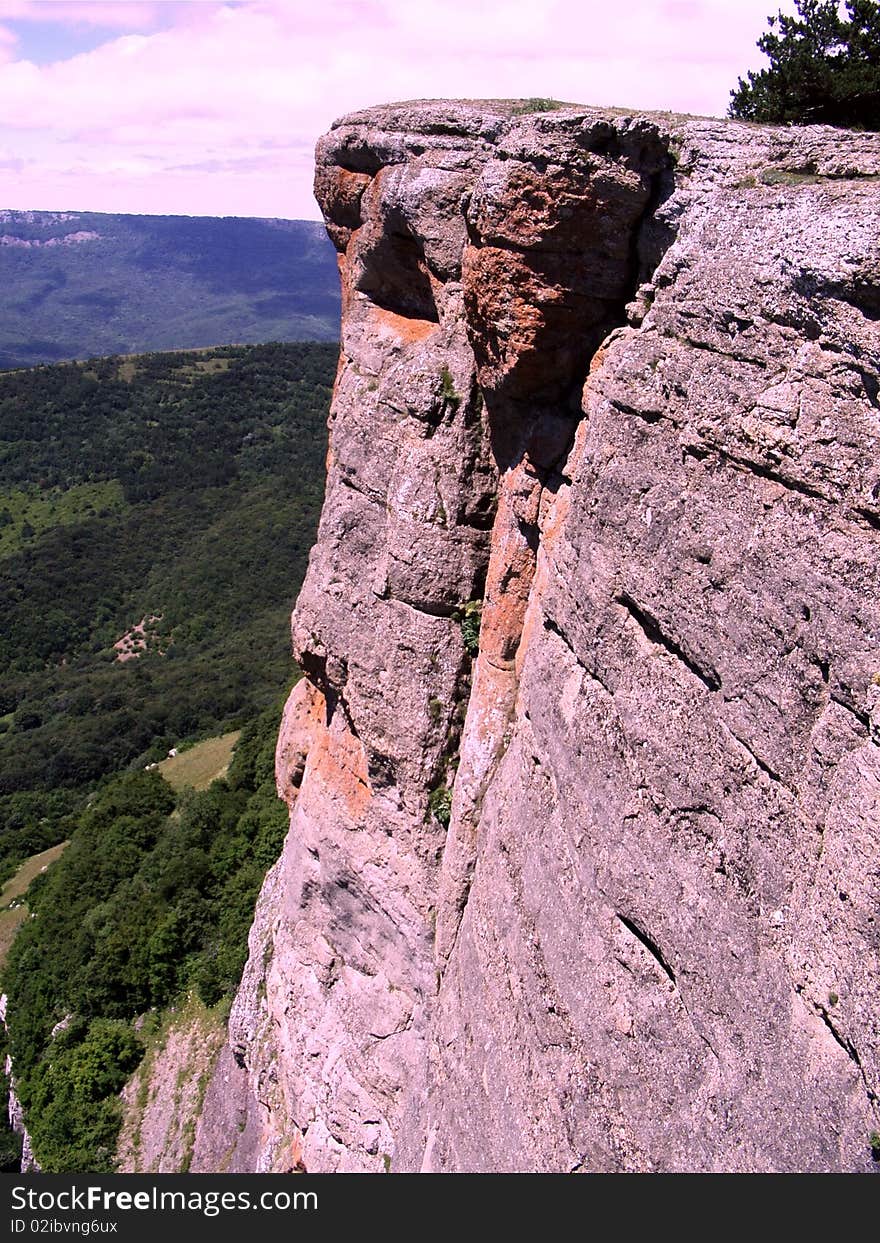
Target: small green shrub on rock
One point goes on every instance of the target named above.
(536, 104)
(471, 620)
(440, 805)
(447, 388)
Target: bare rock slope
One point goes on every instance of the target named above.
(616, 377)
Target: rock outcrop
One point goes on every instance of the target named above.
(163, 1099)
(14, 1111)
(613, 379)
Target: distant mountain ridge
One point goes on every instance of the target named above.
(83, 284)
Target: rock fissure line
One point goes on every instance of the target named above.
(529, 450)
(862, 717)
(650, 945)
(653, 632)
(762, 765)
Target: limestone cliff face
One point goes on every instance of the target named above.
(617, 378)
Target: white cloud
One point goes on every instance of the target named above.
(199, 98)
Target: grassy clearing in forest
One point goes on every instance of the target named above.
(201, 764)
(16, 887)
(28, 512)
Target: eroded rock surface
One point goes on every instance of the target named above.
(616, 377)
(162, 1100)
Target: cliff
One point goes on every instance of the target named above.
(616, 377)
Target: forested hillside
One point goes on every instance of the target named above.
(79, 284)
(153, 898)
(156, 514)
(171, 499)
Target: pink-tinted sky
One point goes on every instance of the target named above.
(212, 108)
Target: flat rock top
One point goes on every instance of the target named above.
(811, 150)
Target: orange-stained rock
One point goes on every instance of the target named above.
(406, 328)
(342, 190)
(304, 715)
(337, 767)
(511, 564)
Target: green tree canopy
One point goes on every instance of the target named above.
(824, 68)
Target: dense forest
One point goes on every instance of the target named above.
(180, 491)
(79, 284)
(156, 514)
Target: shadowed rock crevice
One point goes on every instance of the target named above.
(394, 275)
(554, 256)
(650, 945)
(553, 259)
(653, 632)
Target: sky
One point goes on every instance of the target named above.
(213, 107)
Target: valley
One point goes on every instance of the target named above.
(156, 513)
(81, 284)
(205, 475)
